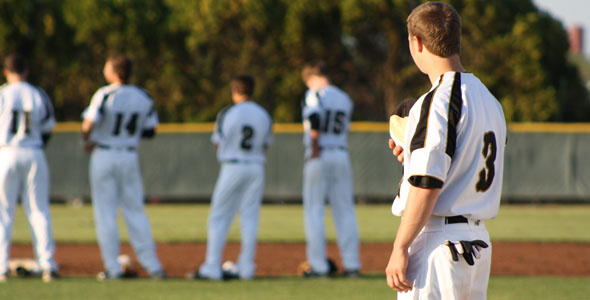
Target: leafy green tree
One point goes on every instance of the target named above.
(186, 52)
(521, 55)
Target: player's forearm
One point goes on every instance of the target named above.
(418, 210)
(86, 129)
(315, 143)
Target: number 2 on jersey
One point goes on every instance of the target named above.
(247, 134)
(131, 125)
(486, 175)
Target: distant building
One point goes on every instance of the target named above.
(576, 39)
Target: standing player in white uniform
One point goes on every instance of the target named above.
(26, 120)
(327, 172)
(453, 155)
(119, 115)
(241, 136)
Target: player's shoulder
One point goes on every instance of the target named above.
(261, 111)
(41, 92)
(106, 90)
(3, 86)
(224, 111)
(255, 105)
(336, 97)
(20, 87)
(140, 90)
(442, 88)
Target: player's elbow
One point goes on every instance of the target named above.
(45, 138)
(148, 133)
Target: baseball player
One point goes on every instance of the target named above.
(26, 120)
(453, 155)
(327, 172)
(241, 136)
(119, 115)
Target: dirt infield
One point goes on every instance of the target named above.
(281, 259)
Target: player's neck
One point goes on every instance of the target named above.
(117, 82)
(14, 78)
(440, 65)
(318, 83)
(238, 98)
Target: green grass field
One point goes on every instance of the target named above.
(372, 287)
(187, 223)
(284, 223)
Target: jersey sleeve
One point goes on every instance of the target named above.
(268, 137)
(429, 158)
(48, 116)
(311, 111)
(217, 135)
(94, 111)
(151, 120)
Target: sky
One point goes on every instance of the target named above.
(570, 13)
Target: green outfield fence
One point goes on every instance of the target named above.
(544, 163)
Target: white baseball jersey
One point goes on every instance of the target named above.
(242, 132)
(120, 113)
(455, 141)
(333, 109)
(329, 110)
(25, 114)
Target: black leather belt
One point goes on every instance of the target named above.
(456, 220)
(106, 147)
(236, 161)
(333, 148)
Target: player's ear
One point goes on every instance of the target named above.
(417, 43)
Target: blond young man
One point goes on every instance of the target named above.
(26, 121)
(327, 173)
(453, 156)
(118, 117)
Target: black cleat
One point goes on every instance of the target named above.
(49, 275)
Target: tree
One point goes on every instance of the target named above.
(186, 52)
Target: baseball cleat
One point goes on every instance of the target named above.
(351, 273)
(105, 275)
(229, 271)
(49, 275)
(197, 275)
(313, 274)
(159, 275)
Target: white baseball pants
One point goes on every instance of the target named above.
(434, 273)
(115, 181)
(330, 176)
(239, 187)
(24, 171)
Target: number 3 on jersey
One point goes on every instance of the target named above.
(486, 175)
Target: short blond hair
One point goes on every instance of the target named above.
(438, 26)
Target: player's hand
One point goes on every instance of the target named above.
(88, 147)
(397, 150)
(396, 271)
(315, 154)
